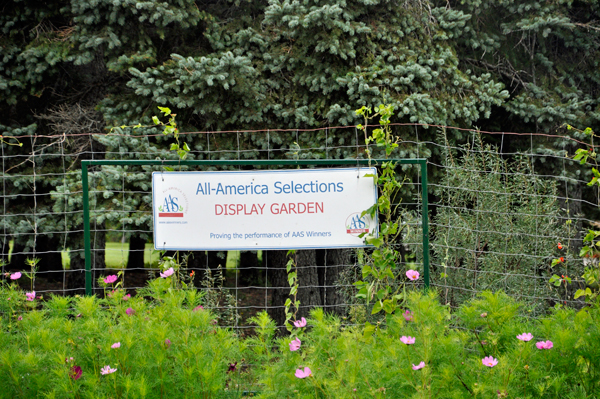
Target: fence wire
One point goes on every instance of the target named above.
(496, 217)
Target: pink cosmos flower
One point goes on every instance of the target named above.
(525, 337)
(418, 366)
(408, 316)
(116, 345)
(76, 372)
(407, 340)
(168, 343)
(15, 276)
(197, 308)
(110, 279)
(489, 361)
(167, 272)
(20, 318)
(126, 297)
(544, 344)
(129, 311)
(295, 344)
(30, 295)
(412, 275)
(107, 370)
(300, 323)
(303, 374)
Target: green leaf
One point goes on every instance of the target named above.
(580, 293)
(368, 331)
(165, 110)
(291, 278)
(366, 270)
(589, 236)
(584, 251)
(375, 241)
(389, 273)
(389, 306)
(555, 280)
(581, 155)
(362, 293)
(155, 120)
(377, 307)
(370, 211)
(289, 265)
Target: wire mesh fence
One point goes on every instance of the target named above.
(499, 206)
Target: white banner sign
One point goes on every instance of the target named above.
(274, 209)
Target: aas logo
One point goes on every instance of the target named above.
(356, 225)
(172, 205)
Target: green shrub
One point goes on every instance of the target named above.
(497, 227)
(164, 345)
(355, 363)
(166, 349)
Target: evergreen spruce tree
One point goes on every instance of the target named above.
(242, 65)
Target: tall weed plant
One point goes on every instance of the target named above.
(166, 345)
(121, 347)
(497, 227)
(485, 350)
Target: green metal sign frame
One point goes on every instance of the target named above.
(86, 164)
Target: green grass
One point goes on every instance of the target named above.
(116, 256)
(233, 259)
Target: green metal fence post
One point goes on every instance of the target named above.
(425, 219)
(86, 228)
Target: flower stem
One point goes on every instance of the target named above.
(115, 384)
